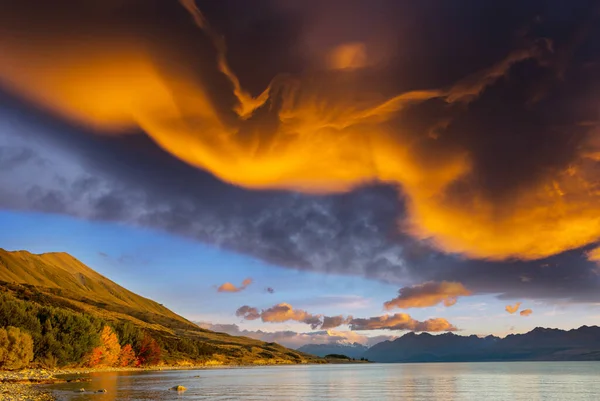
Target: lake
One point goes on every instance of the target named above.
(411, 382)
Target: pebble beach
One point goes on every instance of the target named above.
(26, 385)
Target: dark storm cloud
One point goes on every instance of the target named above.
(525, 125)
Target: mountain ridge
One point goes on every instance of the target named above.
(539, 344)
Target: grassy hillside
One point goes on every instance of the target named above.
(51, 293)
(64, 276)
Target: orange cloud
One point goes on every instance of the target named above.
(284, 312)
(401, 321)
(428, 294)
(594, 255)
(513, 308)
(526, 312)
(330, 136)
(228, 287)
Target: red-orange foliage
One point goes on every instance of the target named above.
(127, 357)
(95, 357)
(150, 352)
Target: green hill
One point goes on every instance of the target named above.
(59, 289)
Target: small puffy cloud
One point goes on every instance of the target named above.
(401, 321)
(247, 313)
(284, 312)
(428, 294)
(228, 287)
(526, 312)
(513, 308)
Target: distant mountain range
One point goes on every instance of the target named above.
(59, 281)
(355, 350)
(540, 344)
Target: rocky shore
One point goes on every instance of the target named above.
(25, 385)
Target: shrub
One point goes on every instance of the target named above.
(150, 352)
(16, 348)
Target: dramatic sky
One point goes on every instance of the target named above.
(315, 170)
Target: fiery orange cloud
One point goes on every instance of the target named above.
(401, 321)
(330, 137)
(526, 312)
(513, 308)
(228, 287)
(427, 294)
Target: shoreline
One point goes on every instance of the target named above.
(28, 384)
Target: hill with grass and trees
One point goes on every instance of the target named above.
(55, 312)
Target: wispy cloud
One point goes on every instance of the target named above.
(594, 255)
(526, 312)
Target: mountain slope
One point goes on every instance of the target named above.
(36, 287)
(63, 275)
(539, 344)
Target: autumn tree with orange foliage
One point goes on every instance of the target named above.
(107, 354)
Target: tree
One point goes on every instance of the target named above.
(150, 351)
(16, 348)
(127, 356)
(107, 354)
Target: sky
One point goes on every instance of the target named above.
(313, 171)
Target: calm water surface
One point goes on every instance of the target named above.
(528, 381)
